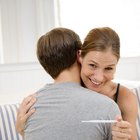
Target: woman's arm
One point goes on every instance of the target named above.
(24, 112)
(128, 105)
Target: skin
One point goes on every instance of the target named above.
(97, 73)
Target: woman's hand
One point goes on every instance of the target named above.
(121, 130)
(24, 112)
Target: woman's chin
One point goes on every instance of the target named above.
(94, 88)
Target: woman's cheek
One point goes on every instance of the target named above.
(110, 76)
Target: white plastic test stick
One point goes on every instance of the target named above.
(100, 121)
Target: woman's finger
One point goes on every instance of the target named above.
(26, 104)
(121, 135)
(122, 130)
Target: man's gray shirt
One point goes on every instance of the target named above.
(60, 110)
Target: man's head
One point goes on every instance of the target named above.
(57, 50)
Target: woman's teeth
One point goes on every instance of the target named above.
(96, 83)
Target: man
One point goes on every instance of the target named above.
(62, 107)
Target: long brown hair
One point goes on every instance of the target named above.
(101, 39)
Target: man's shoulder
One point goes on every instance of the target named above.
(98, 97)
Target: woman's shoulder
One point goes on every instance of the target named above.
(123, 92)
(127, 100)
(126, 93)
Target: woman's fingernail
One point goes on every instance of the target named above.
(34, 100)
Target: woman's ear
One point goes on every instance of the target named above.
(79, 57)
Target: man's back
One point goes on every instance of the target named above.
(60, 110)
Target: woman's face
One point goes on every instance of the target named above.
(97, 68)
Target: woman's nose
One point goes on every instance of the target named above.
(99, 75)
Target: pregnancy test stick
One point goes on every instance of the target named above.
(100, 121)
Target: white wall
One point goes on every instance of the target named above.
(128, 68)
(22, 23)
(19, 80)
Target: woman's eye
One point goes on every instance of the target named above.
(92, 65)
(108, 68)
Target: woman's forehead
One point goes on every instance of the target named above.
(100, 57)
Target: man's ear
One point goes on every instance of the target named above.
(79, 57)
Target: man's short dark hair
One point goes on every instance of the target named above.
(57, 50)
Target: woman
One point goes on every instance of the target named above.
(98, 57)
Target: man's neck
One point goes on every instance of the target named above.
(69, 75)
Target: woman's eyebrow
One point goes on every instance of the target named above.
(110, 65)
(93, 61)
